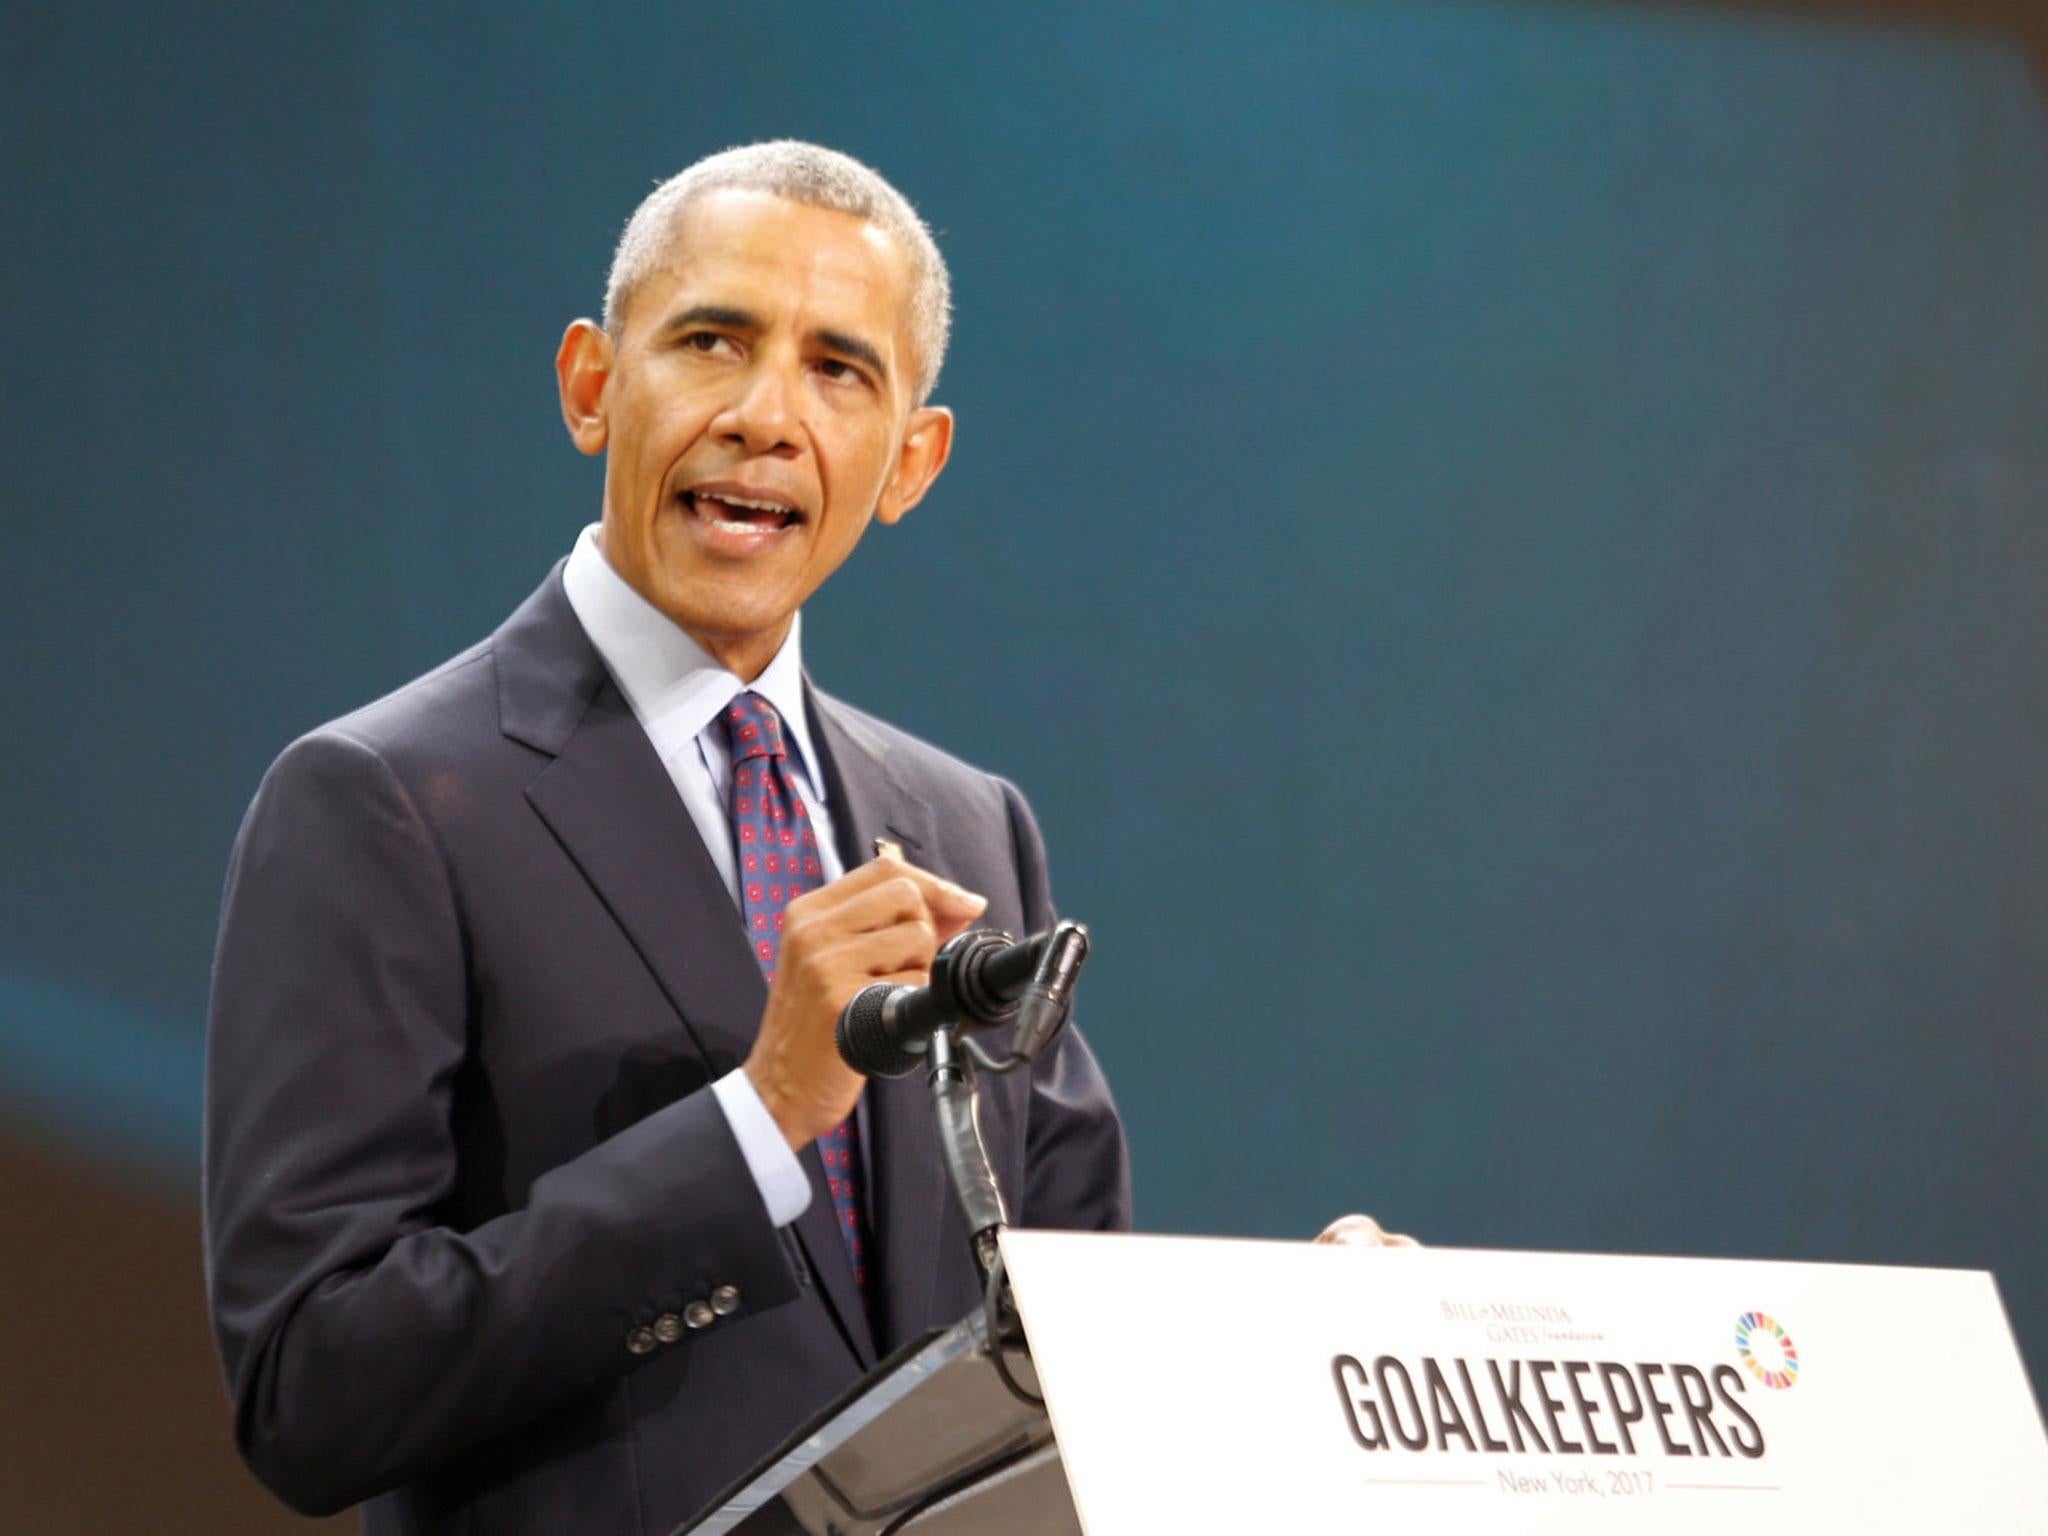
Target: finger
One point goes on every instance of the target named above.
(904, 948)
(1358, 1231)
(950, 903)
(952, 925)
(879, 870)
(952, 906)
(1349, 1229)
(875, 904)
(903, 978)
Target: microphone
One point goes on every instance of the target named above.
(979, 979)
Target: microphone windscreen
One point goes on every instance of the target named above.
(866, 1043)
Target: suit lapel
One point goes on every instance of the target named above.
(908, 1190)
(611, 804)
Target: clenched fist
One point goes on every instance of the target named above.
(881, 923)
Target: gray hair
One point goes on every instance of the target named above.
(803, 173)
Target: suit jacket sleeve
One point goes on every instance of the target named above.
(364, 1340)
(1077, 1168)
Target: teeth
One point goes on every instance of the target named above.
(741, 501)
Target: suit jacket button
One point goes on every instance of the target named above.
(698, 1315)
(640, 1341)
(725, 1300)
(668, 1328)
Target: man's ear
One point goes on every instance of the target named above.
(583, 366)
(927, 444)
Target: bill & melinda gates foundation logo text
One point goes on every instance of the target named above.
(1558, 1407)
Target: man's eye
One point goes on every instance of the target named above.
(706, 341)
(843, 373)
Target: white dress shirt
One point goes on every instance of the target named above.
(678, 693)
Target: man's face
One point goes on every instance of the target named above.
(755, 413)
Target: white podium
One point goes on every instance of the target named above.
(1199, 1385)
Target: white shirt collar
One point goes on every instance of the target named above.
(675, 687)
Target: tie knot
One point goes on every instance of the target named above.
(755, 728)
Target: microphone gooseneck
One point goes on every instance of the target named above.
(979, 979)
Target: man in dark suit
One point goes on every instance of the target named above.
(519, 1064)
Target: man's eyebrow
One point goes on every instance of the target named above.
(855, 348)
(713, 314)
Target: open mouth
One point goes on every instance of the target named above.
(740, 514)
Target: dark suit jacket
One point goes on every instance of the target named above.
(476, 971)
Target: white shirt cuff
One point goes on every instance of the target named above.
(777, 1173)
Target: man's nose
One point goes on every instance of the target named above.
(762, 416)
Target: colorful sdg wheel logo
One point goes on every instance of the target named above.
(1767, 1350)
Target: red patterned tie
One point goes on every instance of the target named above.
(778, 852)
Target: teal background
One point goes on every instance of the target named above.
(1505, 542)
